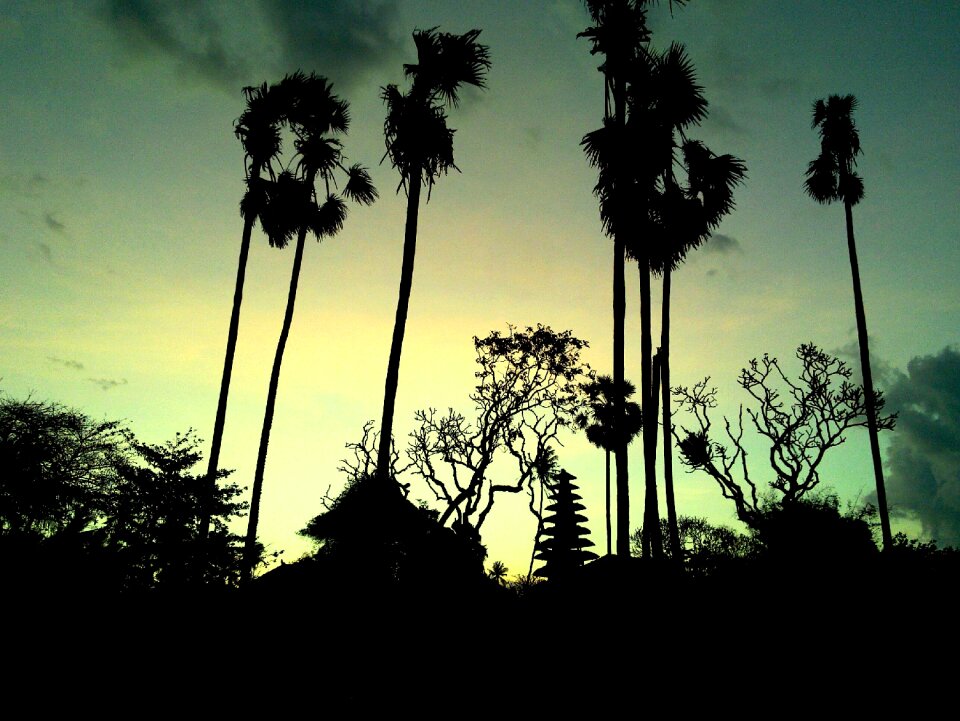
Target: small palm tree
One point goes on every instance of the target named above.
(258, 129)
(498, 572)
(420, 146)
(598, 421)
(831, 176)
(315, 115)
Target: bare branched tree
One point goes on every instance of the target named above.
(799, 420)
(528, 390)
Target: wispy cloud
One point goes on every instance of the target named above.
(189, 33)
(52, 223)
(721, 244)
(108, 383)
(76, 365)
(45, 252)
(213, 42)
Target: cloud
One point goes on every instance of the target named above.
(345, 40)
(228, 45)
(45, 252)
(722, 119)
(721, 244)
(76, 365)
(108, 383)
(188, 32)
(923, 460)
(52, 223)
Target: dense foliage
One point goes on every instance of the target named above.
(84, 501)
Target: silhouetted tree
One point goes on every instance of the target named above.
(57, 469)
(686, 216)
(258, 129)
(372, 541)
(564, 540)
(528, 390)
(703, 545)
(315, 116)
(800, 423)
(420, 147)
(831, 176)
(152, 526)
(85, 504)
(619, 33)
(598, 421)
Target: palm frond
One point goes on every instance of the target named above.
(359, 187)
(328, 219)
(680, 99)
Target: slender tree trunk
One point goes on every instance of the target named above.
(868, 383)
(250, 544)
(619, 311)
(399, 326)
(651, 521)
(214, 461)
(609, 534)
(675, 550)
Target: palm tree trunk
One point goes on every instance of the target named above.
(651, 516)
(249, 546)
(218, 424)
(609, 500)
(399, 326)
(675, 549)
(620, 450)
(868, 383)
(619, 312)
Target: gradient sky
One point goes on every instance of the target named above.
(121, 178)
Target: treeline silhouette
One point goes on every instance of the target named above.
(87, 508)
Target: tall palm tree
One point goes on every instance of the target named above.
(688, 215)
(619, 33)
(831, 176)
(315, 115)
(599, 422)
(258, 129)
(420, 146)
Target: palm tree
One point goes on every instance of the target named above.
(688, 216)
(598, 420)
(258, 129)
(420, 147)
(314, 114)
(619, 33)
(668, 101)
(831, 176)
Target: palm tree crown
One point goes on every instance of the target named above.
(831, 175)
(416, 133)
(597, 419)
(420, 146)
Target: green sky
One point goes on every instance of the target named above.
(120, 179)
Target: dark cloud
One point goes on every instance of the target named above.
(722, 244)
(75, 365)
(884, 374)
(189, 32)
(108, 383)
(923, 459)
(228, 45)
(52, 223)
(345, 40)
(722, 119)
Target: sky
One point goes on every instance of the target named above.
(120, 179)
